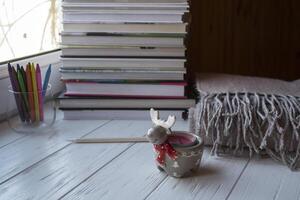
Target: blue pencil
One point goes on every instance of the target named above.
(46, 80)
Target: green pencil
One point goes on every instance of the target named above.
(23, 91)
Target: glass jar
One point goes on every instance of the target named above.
(29, 112)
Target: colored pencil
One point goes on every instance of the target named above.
(46, 80)
(23, 93)
(35, 93)
(40, 90)
(30, 92)
(17, 92)
(24, 78)
(15, 89)
(23, 89)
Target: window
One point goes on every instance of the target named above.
(28, 27)
(29, 32)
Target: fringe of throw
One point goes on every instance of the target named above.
(259, 122)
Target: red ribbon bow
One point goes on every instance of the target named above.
(162, 149)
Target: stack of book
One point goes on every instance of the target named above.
(122, 58)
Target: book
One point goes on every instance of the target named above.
(67, 6)
(132, 16)
(120, 70)
(142, 75)
(154, 90)
(87, 102)
(82, 26)
(91, 8)
(124, 63)
(120, 58)
(123, 69)
(121, 51)
(130, 1)
(120, 114)
(121, 40)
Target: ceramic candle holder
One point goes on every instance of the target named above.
(188, 154)
(176, 152)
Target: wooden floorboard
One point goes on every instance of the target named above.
(266, 179)
(48, 166)
(68, 168)
(25, 152)
(132, 175)
(214, 179)
(7, 136)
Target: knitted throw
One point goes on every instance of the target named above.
(263, 122)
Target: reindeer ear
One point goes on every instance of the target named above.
(154, 115)
(155, 119)
(170, 122)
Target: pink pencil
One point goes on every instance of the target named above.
(39, 88)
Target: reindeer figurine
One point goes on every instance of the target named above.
(177, 152)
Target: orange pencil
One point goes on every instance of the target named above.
(30, 93)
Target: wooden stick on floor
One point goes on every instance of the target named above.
(111, 140)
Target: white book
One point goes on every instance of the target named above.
(146, 6)
(120, 51)
(124, 16)
(120, 70)
(136, 12)
(88, 102)
(172, 76)
(130, 1)
(171, 90)
(128, 8)
(123, 69)
(81, 26)
(122, 41)
(123, 63)
(119, 114)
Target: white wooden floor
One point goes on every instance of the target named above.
(47, 166)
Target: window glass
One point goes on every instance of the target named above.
(28, 27)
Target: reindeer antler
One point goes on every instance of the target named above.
(155, 119)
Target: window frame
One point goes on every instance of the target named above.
(25, 59)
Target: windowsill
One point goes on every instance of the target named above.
(44, 59)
